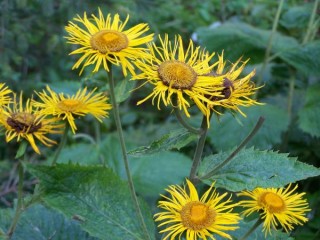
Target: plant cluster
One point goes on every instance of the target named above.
(102, 195)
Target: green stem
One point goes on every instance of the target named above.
(307, 37)
(61, 145)
(290, 95)
(235, 152)
(269, 45)
(124, 150)
(199, 150)
(184, 123)
(252, 229)
(19, 208)
(285, 139)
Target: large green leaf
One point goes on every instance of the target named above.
(6, 216)
(305, 58)
(83, 153)
(95, 196)
(175, 139)
(40, 223)
(222, 132)
(251, 42)
(296, 16)
(149, 178)
(309, 115)
(151, 173)
(252, 168)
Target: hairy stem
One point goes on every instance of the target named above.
(235, 152)
(124, 151)
(19, 208)
(310, 28)
(269, 45)
(184, 123)
(61, 145)
(199, 150)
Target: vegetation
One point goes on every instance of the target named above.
(82, 197)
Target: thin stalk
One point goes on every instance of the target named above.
(20, 207)
(97, 131)
(269, 45)
(252, 229)
(235, 152)
(184, 123)
(311, 22)
(124, 151)
(290, 95)
(61, 145)
(199, 150)
(289, 109)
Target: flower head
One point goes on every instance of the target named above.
(276, 206)
(236, 90)
(104, 40)
(197, 217)
(4, 91)
(67, 107)
(25, 122)
(179, 75)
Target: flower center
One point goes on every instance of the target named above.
(272, 202)
(197, 216)
(228, 88)
(226, 91)
(23, 122)
(177, 74)
(109, 41)
(69, 105)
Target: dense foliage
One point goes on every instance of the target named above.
(34, 53)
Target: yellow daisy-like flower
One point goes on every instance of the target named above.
(26, 123)
(276, 206)
(104, 40)
(197, 218)
(179, 75)
(4, 92)
(236, 90)
(67, 107)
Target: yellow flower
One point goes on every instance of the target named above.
(4, 91)
(67, 107)
(26, 123)
(276, 206)
(104, 40)
(236, 90)
(197, 218)
(179, 75)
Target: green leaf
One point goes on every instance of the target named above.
(96, 196)
(251, 42)
(176, 139)
(252, 168)
(309, 115)
(151, 173)
(296, 16)
(123, 89)
(22, 149)
(222, 133)
(39, 223)
(304, 58)
(82, 153)
(6, 216)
